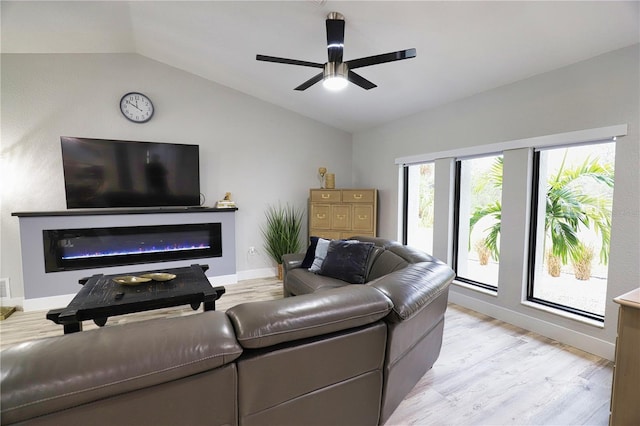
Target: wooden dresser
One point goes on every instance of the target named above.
(625, 392)
(342, 213)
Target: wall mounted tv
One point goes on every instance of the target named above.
(102, 173)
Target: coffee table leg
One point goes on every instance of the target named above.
(72, 328)
(100, 322)
(210, 306)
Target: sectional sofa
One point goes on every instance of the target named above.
(337, 354)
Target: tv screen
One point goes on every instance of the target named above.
(112, 173)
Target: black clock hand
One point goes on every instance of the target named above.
(135, 106)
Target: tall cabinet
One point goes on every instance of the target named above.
(342, 213)
(625, 398)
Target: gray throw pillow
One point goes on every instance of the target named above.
(321, 252)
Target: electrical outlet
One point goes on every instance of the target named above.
(252, 251)
(5, 289)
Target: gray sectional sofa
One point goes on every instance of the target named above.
(417, 285)
(337, 354)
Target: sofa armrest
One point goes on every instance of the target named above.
(414, 287)
(292, 261)
(262, 324)
(57, 373)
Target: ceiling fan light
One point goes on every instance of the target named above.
(335, 76)
(335, 83)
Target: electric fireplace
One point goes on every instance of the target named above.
(88, 248)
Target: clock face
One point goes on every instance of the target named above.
(136, 107)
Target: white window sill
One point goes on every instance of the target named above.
(564, 314)
(476, 288)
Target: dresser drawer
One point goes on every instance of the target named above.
(341, 217)
(320, 217)
(362, 218)
(325, 195)
(358, 195)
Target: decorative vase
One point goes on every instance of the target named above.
(553, 265)
(280, 272)
(322, 171)
(330, 182)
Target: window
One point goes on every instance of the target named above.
(419, 198)
(571, 227)
(477, 220)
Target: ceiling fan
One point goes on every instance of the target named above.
(335, 72)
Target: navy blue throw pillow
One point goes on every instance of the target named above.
(347, 261)
(311, 254)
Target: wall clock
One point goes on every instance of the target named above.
(136, 107)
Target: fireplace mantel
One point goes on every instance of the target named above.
(47, 290)
(102, 212)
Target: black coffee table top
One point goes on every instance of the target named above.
(101, 297)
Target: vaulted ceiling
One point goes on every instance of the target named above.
(463, 48)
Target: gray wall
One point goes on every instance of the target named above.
(600, 92)
(260, 153)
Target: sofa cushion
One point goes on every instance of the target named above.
(411, 254)
(311, 253)
(61, 372)
(414, 287)
(301, 281)
(321, 252)
(309, 315)
(386, 263)
(347, 261)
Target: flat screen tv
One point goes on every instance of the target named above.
(103, 173)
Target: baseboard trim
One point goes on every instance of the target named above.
(46, 303)
(562, 334)
(252, 274)
(223, 279)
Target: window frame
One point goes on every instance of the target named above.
(456, 224)
(532, 243)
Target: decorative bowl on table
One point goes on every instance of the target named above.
(131, 280)
(159, 276)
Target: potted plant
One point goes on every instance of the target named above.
(582, 263)
(484, 253)
(554, 265)
(281, 232)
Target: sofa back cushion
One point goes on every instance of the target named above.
(411, 254)
(58, 373)
(414, 287)
(385, 263)
(263, 324)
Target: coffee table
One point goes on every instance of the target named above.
(101, 297)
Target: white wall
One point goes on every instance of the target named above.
(600, 92)
(260, 153)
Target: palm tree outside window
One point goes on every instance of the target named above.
(478, 217)
(571, 228)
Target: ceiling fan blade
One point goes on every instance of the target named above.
(313, 80)
(335, 39)
(380, 59)
(360, 81)
(288, 61)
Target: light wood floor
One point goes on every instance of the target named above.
(488, 373)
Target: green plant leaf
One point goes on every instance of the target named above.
(281, 231)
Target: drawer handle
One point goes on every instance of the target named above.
(341, 216)
(362, 216)
(321, 216)
(325, 196)
(357, 196)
